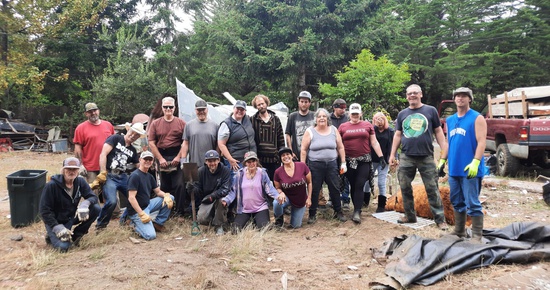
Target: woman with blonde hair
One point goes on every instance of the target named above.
(384, 135)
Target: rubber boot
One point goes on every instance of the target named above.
(460, 222)
(356, 217)
(366, 199)
(477, 229)
(381, 204)
(279, 221)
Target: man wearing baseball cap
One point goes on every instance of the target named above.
(298, 122)
(60, 209)
(214, 183)
(199, 135)
(89, 137)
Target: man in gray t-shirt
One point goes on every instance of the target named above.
(297, 124)
(199, 135)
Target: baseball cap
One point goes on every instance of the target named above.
(283, 150)
(200, 104)
(240, 104)
(90, 106)
(250, 155)
(304, 94)
(71, 162)
(211, 154)
(146, 154)
(464, 90)
(355, 108)
(339, 103)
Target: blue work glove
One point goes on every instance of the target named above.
(63, 233)
(441, 167)
(472, 168)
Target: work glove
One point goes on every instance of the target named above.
(63, 233)
(100, 179)
(472, 168)
(441, 167)
(383, 163)
(168, 201)
(343, 168)
(82, 171)
(144, 217)
(83, 211)
(208, 199)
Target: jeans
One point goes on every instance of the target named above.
(465, 194)
(345, 189)
(80, 230)
(147, 230)
(114, 182)
(382, 177)
(296, 213)
(325, 171)
(407, 171)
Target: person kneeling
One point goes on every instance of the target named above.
(60, 209)
(140, 185)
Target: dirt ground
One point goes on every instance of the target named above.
(314, 257)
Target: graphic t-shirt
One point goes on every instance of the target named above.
(121, 155)
(294, 187)
(417, 127)
(356, 138)
(296, 127)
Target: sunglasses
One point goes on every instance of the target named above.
(168, 107)
(339, 106)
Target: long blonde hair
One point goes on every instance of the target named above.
(386, 123)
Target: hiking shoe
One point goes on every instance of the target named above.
(346, 207)
(219, 231)
(340, 216)
(405, 220)
(159, 228)
(356, 217)
(443, 226)
(311, 220)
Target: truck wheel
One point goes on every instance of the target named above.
(506, 163)
(542, 160)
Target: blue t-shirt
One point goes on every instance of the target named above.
(143, 183)
(462, 143)
(417, 127)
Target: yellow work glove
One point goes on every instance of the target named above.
(441, 167)
(145, 218)
(472, 168)
(168, 201)
(102, 177)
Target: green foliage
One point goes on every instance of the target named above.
(373, 83)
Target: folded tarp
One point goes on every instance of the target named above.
(417, 260)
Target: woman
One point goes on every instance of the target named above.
(290, 181)
(251, 186)
(358, 136)
(322, 145)
(384, 135)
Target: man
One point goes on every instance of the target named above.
(165, 139)
(199, 135)
(467, 131)
(236, 137)
(117, 157)
(268, 134)
(60, 209)
(337, 118)
(214, 183)
(415, 126)
(140, 186)
(89, 137)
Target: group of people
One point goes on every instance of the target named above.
(246, 166)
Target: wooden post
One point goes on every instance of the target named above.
(524, 105)
(506, 111)
(490, 108)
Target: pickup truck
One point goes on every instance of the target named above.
(518, 128)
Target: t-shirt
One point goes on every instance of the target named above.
(253, 199)
(296, 127)
(417, 127)
(121, 155)
(143, 183)
(201, 137)
(356, 138)
(166, 134)
(91, 137)
(294, 187)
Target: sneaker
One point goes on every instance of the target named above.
(340, 216)
(329, 203)
(219, 231)
(311, 220)
(356, 217)
(443, 226)
(346, 207)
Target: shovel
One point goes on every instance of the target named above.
(190, 174)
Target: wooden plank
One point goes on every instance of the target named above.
(501, 110)
(524, 105)
(506, 107)
(489, 110)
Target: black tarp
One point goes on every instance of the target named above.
(417, 260)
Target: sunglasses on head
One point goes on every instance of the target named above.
(339, 106)
(167, 107)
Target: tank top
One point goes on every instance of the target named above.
(322, 147)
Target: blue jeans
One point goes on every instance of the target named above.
(345, 189)
(325, 171)
(407, 171)
(465, 194)
(114, 182)
(147, 230)
(80, 230)
(296, 213)
(382, 177)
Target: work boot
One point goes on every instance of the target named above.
(477, 229)
(381, 204)
(340, 216)
(356, 217)
(279, 221)
(460, 222)
(312, 219)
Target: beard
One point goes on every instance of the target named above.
(93, 118)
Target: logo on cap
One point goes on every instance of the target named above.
(211, 154)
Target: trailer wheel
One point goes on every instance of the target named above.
(506, 163)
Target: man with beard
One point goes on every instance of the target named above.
(297, 124)
(89, 137)
(268, 134)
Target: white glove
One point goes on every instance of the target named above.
(343, 168)
(82, 171)
(62, 233)
(83, 211)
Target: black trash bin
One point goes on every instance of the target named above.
(24, 189)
